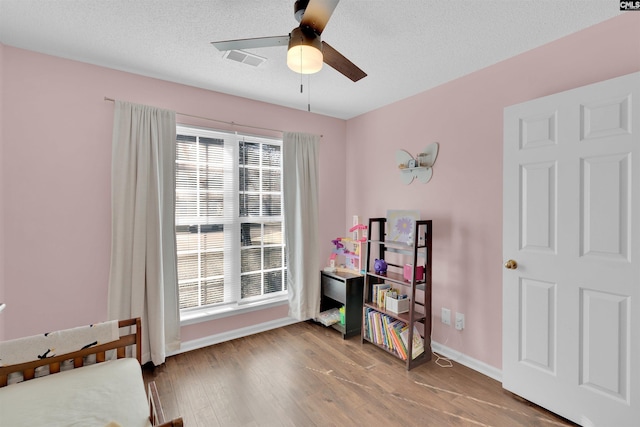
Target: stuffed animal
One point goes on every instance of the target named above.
(380, 266)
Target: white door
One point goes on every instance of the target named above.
(571, 306)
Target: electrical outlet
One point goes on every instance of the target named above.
(459, 321)
(445, 316)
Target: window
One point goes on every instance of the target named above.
(229, 219)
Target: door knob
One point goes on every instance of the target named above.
(511, 264)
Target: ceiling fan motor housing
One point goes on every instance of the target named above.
(305, 52)
(298, 9)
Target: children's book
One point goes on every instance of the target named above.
(398, 346)
(418, 344)
(376, 291)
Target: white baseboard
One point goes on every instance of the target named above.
(449, 353)
(469, 362)
(231, 335)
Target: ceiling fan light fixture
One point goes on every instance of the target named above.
(305, 52)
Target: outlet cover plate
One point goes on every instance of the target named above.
(459, 321)
(445, 316)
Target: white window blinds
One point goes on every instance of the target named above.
(229, 218)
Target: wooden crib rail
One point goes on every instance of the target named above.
(28, 369)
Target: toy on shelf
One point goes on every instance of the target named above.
(332, 264)
(359, 232)
(347, 252)
(337, 243)
(380, 266)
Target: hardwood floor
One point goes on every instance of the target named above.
(306, 375)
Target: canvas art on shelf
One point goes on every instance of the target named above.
(400, 225)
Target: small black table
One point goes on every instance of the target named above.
(343, 288)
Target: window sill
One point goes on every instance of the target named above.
(214, 313)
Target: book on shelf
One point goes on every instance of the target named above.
(376, 297)
(386, 321)
(418, 343)
(381, 297)
(394, 331)
(381, 294)
(366, 326)
(377, 329)
(374, 331)
(385, 331)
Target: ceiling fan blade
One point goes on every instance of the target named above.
(337, 61)
(251, 43)
(317, 14)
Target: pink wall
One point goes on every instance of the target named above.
(56, 160)
(464, 197)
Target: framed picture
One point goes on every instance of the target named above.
(400, 225)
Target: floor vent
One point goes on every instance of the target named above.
(244, 57)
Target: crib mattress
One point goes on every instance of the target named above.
(98, 395)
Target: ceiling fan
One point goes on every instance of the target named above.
(306, 51)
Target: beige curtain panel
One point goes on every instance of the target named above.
(143, 277)
(300, 182)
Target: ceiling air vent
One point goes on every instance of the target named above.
(244, 57)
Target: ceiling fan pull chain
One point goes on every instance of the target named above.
(300, 68)
(309, 92)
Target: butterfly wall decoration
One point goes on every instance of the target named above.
(420, 167)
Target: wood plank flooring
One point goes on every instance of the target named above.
(306, 375)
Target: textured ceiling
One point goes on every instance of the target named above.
(405, 46)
